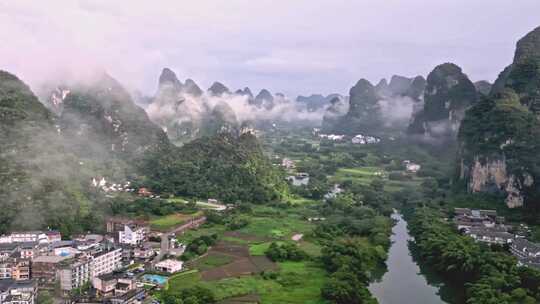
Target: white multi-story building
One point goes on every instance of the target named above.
(132, 235)
(31, 237)
(85, 267)
(106, 261)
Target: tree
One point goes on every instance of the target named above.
(343, 287)
(44, 297)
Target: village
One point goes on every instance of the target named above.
(118, 267)
(486, 227)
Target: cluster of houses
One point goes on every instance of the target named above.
(33, 260)
(332, 137)
(486, 227)
(359, 139)
(111, 187)
(299, 179)
(364, 140)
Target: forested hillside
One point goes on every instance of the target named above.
(49, 160)
(225, 167)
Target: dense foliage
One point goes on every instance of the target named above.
(356, 238)
(285, 252)
(199, 246)
(224, 167)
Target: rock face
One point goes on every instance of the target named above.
(447, 95)
(499, 140)
(500, 136)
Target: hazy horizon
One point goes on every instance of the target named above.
(299, 47)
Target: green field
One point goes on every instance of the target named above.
(277, 227)
(170, 221)
(365, 175)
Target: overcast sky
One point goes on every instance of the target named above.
(291, 46)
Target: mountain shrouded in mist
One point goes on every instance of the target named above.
(186, 114)
(500, 136)
(448, 93)
(317, 102)
(379, 109)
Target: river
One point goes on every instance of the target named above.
(404, 282)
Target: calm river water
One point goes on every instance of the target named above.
(405, 282)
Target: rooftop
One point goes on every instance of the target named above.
(49, 259)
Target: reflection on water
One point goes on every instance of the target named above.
(405, 282)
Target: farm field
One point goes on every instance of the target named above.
(365, 175)
(233, 267)
(170, 221)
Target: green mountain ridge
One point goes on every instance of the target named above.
(500, 136)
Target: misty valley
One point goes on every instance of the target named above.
(412, 189)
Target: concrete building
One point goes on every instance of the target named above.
(44, 269)
(15, 268)
(113, 284)
(17, 292)
(143, 252)
(106, 261)
(132, 235)
(490, 236)
(465, 218)
(7, 250)
(169, 266)
(527, 253)
(74, 273)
